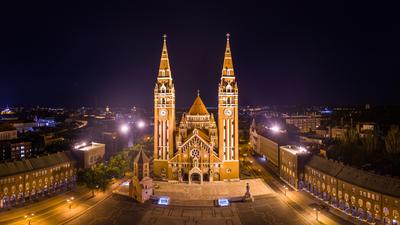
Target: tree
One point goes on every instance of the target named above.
(350, 137)
(96, 178)
(370, 142)
(118, 165)
(392, 140)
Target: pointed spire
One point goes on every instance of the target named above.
(227, 68)
(165, 69)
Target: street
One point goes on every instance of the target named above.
(54, 210)
(299, 201)
(279, 206)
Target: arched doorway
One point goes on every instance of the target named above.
(206, 177)
(216, 176)
(195, 175)
(195, 178)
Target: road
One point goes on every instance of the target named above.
(274, 208)
(299, 201)
(55, 210)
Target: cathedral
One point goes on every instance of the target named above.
(199, 148)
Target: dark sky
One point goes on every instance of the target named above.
(91, 53)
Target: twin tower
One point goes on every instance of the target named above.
(198, 149)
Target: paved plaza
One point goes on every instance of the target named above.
(210, 191)
(266, 209)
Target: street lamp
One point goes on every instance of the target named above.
(141, 124)
(124, 128)
(28, 217)
(69, 201)
(275, 129)
(316, 213)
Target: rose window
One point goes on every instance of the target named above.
(195, 153)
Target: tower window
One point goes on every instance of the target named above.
(163, 89)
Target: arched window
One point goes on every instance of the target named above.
(163, 89)
(368, 205)
(228, 88)
(360, 202)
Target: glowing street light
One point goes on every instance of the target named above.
(124, 128)
(285, 189)
(69, 201)
(275, 129)
(316, 213)
(141, 124)
(28, 217)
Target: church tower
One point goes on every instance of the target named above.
(164, 116)
(228, 118)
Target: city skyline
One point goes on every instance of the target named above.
(107, 54)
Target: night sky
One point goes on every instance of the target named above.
(96, 54)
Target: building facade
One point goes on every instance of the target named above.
(264, 146)
(292, 161)
(8, 134)
(305, 123)
(141, 184)
(15, 149)
(26, 180)
(201, 148)
(361, 194)
(89, 155)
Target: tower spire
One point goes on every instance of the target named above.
(165, 69)
(227, 69)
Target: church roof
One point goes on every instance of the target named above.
(164, 69)
(198, 107)
(227, 68)
(141, 157)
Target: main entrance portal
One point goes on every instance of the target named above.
(195, 176)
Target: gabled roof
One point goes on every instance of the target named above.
(198, 108)
(374, 182)
(23, 166)
(141, 157)
(200, 135)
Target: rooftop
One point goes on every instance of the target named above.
(295, 150)
(361, 178)
(198, 107)
(6, 127)
(23, 166)
(87, 147)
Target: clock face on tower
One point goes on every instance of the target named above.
(163, 112)
(228, 112)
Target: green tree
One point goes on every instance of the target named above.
(95, 178)
(392, 140)
(118, 165)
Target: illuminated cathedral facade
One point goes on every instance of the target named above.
(199, 148)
